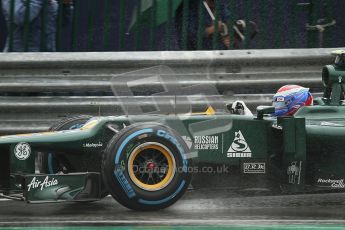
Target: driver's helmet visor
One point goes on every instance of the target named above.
(279, 103)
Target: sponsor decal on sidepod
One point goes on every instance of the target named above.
(253, 167)
(333, 183)
(239, 147)
(205, 142)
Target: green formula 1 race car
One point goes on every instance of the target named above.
(147, 163)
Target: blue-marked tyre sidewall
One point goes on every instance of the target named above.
(116, 170)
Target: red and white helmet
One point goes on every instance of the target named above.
(290, 98)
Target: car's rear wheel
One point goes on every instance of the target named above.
(145, 167)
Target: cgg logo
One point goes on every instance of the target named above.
(22, 151)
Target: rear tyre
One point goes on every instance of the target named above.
(145, 167)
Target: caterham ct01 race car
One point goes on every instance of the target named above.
(146, 163)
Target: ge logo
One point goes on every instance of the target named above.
(22, 151)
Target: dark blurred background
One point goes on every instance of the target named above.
(103, 25)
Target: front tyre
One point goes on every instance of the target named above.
(50, 163)
(145, 167)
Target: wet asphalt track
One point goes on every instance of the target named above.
(216, 208)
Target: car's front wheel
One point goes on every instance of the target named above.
(145, 167)
(50, 163)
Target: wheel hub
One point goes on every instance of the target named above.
(151, 166)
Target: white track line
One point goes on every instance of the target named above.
(241, 222)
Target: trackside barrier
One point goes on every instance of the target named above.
(39, 88)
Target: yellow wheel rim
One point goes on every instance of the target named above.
(151, 166)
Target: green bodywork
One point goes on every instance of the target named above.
(55, 188)
(300, 153)
(312, 143)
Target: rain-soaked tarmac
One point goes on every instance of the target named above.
(197, 208)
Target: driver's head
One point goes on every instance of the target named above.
(290, 98)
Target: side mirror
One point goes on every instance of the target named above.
(263, 110)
